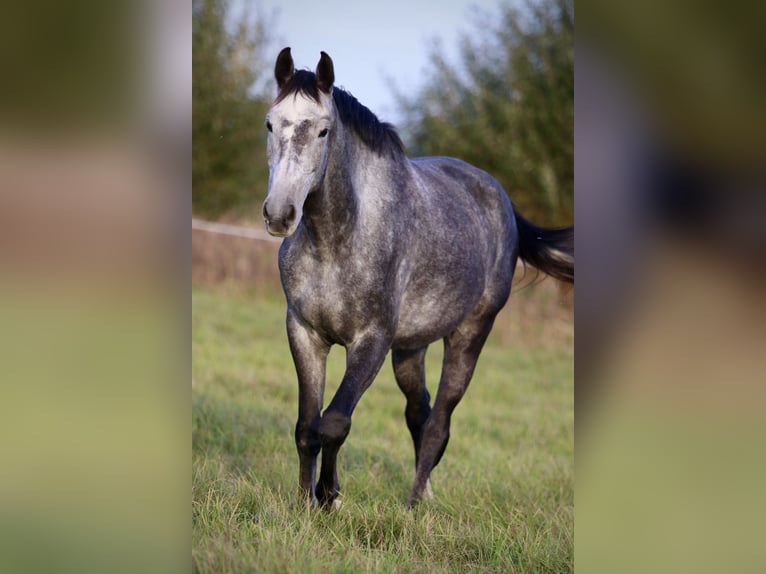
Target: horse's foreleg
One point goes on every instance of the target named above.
(461, 352)
(363, 361)
(309, 355)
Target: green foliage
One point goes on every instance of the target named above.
(229, 170)
(504, 490)
(509, 108)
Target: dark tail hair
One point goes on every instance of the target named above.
(549, 250)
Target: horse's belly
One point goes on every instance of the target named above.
(428, 319)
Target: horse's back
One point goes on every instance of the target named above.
(469, 204)
(460, 186)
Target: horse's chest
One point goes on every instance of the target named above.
(336, 300)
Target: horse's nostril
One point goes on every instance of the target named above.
(265, 212)
(290, 213)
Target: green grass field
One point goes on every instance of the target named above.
(503, 491)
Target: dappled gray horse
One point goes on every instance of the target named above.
(382, 252)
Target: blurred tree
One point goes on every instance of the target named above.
(229, 172)
(509, 108)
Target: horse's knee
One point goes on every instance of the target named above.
(307, 439)
(334, 428)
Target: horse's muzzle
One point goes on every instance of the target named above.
(279, 225)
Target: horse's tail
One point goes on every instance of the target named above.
(549, 250)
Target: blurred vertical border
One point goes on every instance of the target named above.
(95, 202)
(670, 175)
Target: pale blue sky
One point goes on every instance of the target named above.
(371, 42)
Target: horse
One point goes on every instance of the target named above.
(381, 252)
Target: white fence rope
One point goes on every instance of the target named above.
(233, 230)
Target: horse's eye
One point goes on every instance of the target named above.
(323, 133)
(268, 125)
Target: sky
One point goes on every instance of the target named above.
(371, 43)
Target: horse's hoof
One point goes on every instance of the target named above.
(412, 502)
(333, 504)
(327, 499)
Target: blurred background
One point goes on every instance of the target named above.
(670, 177)
(95, 201)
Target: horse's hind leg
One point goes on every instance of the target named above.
(461, 352)
(410, 373)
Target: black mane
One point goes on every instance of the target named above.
(379, 136)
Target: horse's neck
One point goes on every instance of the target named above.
(334, 211)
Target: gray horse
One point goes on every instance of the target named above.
(383, 252)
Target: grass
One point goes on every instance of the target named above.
(504, 490)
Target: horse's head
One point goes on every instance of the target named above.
(299, 128)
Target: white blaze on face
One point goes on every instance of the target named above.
(297, 149)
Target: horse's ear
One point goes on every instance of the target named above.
(325, 73)
(284, 69)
